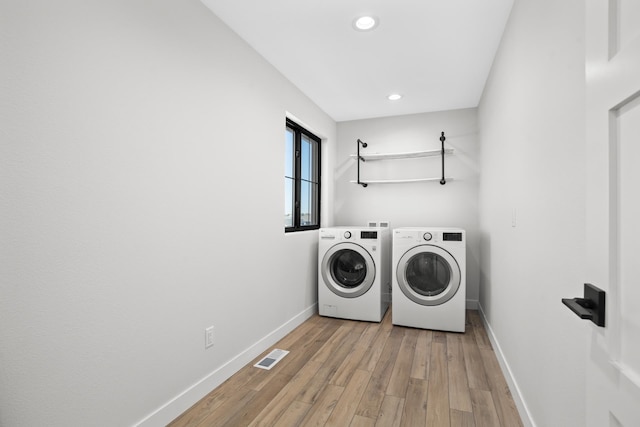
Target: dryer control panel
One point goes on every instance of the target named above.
(452, 237)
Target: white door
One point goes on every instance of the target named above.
(613, 209)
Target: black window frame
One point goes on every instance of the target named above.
(298, 132)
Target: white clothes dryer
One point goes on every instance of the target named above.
(429, 278)
(354, 272)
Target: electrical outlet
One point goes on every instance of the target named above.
(208, 337)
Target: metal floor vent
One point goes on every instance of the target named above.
(270, 360)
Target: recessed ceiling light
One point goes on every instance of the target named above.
(365, 23)
(394, 97)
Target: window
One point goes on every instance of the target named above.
(301, 179)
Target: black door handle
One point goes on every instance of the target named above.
(591, 307)
(585, 303)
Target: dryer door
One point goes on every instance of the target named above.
(428, 275)
(348, 270)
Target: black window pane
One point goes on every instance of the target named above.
(308, 203)
(288, 202)
(302, 166)
(288, 152)
(306, 159)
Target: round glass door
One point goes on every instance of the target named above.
(428, 275)
(348, 270)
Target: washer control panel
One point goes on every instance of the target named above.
(427, 236)
(351, 234)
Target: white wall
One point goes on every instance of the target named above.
(531, 122)
(141, 167)
(454, 204)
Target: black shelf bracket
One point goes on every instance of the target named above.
(443, 181)
(360, 158)
(591, 306)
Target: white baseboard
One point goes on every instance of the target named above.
(523, 410)
(176, 406)
(472, 304)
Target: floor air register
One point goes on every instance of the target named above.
(271, 359)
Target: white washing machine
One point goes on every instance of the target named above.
(354, 272)
(429, 278)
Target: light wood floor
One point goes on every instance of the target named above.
(348, 373)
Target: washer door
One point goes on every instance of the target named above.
(428, 275)
(348, 270)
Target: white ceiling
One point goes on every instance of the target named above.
(436, 53)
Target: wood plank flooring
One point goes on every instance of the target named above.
(349, 373)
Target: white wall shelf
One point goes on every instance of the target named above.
(360, 157)
(400, 181)
(405, 155)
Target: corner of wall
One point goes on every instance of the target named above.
(523, 409)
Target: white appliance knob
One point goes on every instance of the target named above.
(427, 236)
(347, 234)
